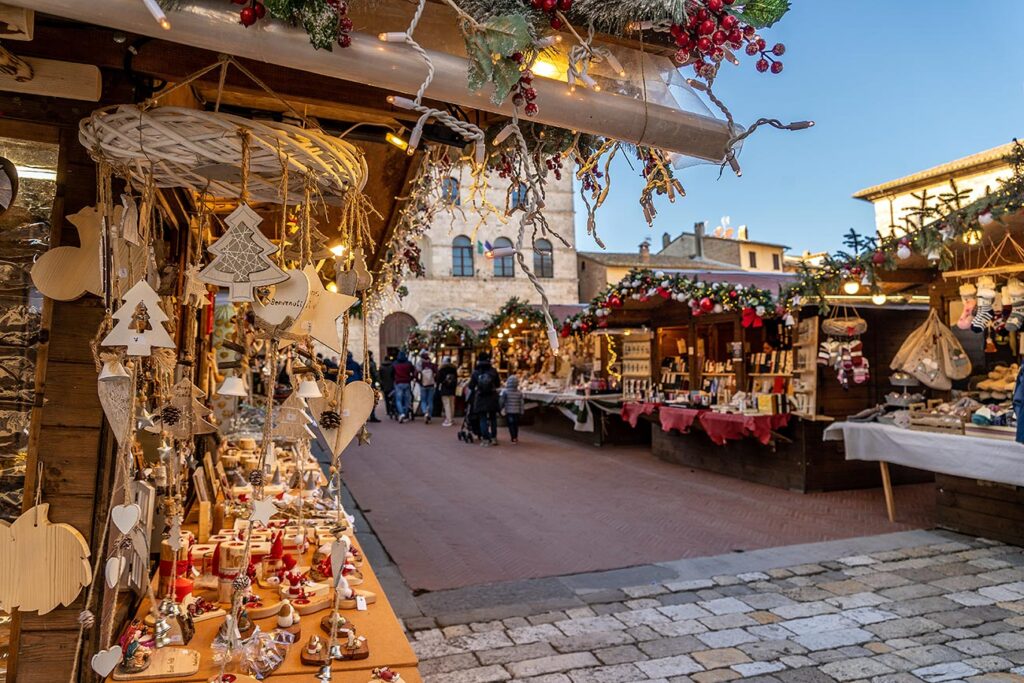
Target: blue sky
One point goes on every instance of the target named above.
(893, 88)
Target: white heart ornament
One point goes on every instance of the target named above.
(125, 517)
(115, 567)
(104, 661)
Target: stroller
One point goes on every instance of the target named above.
(469, 430)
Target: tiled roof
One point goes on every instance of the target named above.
(990, 158)
(634, 260)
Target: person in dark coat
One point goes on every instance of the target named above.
(375, 383)
(353, 370)
(447, 384)
(387, 386)
(405, 373)
(485, 385)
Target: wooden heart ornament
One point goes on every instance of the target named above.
(355, 409)
(125, 517)
(114, 569)
(42, 565)
(66, 273)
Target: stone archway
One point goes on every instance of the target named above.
(394, 332)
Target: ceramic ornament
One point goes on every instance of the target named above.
(304, 299)
(66, 273)
(357, 404)
(104, 661)
(139, 325)
(242, 257)
(42, 565)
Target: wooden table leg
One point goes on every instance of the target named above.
(890, 502)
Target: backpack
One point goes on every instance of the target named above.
(485, 383)
(427, 377)
(451, 379)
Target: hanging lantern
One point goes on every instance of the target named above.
(879, 299)
(112, 369)
(232, 386)
(309, 389)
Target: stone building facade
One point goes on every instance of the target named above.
(459, 280)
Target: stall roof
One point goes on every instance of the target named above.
(764, 280)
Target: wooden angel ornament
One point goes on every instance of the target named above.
(139, 325)
(242, 257)
(42, 565)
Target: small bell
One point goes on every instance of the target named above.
(161, 632)
(335, 652)
(324, 673)
(168, 607)
(276, 479)
(232, 386)
(112, 369)
(309, 389)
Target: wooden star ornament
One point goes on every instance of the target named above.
(263, 510)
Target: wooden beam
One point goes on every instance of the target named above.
(393, 214)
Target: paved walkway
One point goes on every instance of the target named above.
(454, 515)
(912, 606)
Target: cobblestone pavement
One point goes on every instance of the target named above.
(948, 610)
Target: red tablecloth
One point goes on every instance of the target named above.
(724, 426)
(631, 412)
(680, 419)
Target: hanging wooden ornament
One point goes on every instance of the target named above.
(242, 257)
(42, 565)
(350, 416)
(116, 398)
(304, 299)
(104, 661)
(66, 273)
(140, 321)
(130, 220)
(292, 420)
(194, 292)
(184, 416)
(125, 517)
(357, 277)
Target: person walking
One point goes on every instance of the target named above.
(511, 401)
(485, 383)
(426, 376)
(404, 375)
(353, 370)
(375, 383)
(387, 386)
(447, 384)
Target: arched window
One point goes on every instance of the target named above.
(543, 259)
(504, 266)
(517, 198)
(462, 257)
(450, 191)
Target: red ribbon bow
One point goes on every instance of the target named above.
(751, 318)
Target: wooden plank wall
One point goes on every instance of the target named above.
(978, 508)
(68, 429)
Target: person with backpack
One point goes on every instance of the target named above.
(511, 401)
(427, 378)
(484, 384)
(404, 374)
(387, 386)
(447, 385)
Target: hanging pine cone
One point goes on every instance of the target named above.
(256, 478)
(170, 415)
(241, 582)
(329, 419)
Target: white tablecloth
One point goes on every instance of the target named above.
(960, 456)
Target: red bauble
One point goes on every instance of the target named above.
(531, 109)
(556, 23)
(247, 16)
(736, 36)
(715, 5)
(614, 301)
(878, 258)
(565, 5)
(537, 4)
(762, 65)
(664, 293)
(776, 67)
(707, 305)
(683, 40)
(707, 27)
(733, 294)
(718, 37)
(704, 44)
(676, 30)
(550, 5)
(729, 22)
(261, 11)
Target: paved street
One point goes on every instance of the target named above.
(936, 609)
(454, 515)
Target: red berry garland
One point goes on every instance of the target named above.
(551, 8)
(523, 92)
(704, 37)
(255, 10)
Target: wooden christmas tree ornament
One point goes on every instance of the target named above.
(242, 257)
(140, 321)
(42, 565)
(66, 273)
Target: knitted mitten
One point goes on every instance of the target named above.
(1016, 318)
(983, 315)
(968, 294)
